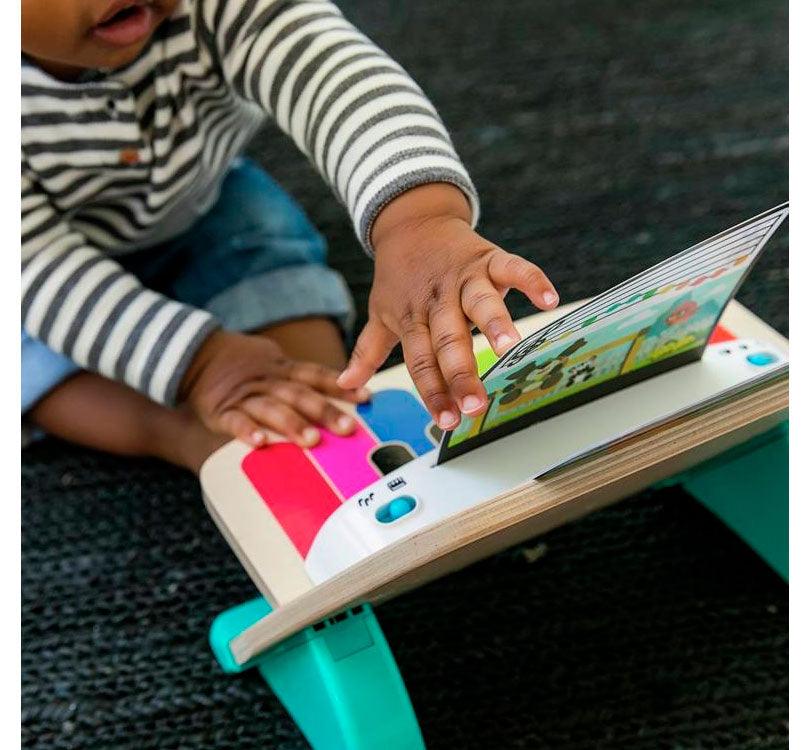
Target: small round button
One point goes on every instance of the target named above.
(400, 507)
(760, 359)
(395, 509)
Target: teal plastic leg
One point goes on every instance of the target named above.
(337, 679)
(747, 488)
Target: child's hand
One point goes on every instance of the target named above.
(242, 385)
(433, 277)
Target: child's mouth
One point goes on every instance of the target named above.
(126, 22)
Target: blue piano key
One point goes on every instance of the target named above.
(395, 414)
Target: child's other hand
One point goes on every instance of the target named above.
(434, 276)
(243, 385)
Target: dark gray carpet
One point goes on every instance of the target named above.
(602, 136)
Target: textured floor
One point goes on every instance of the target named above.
(602, 136)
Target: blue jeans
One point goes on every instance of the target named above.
(253, 260)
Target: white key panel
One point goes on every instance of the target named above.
(425, 493)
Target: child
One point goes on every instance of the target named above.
(173, 294)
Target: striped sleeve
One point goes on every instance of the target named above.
(366, 126)
(86, 306)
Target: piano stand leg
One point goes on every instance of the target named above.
(747, 488)
(337, 679)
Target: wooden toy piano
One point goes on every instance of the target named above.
(328, 532)
(313, 634)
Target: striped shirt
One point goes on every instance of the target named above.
(124, 160)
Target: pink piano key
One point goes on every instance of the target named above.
(345, 460)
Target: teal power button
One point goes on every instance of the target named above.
(760, 359)
(395, 509)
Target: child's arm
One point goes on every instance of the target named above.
(374, 137)
(84, 305)
(354, 112)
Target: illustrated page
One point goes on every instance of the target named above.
(658, 320)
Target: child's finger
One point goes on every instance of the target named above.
(238, 424)
(452, 344)
(373, 346)
(325, 380)
(427, 377)
(484, 306)
(508, 270)
(315, 407)
(282, 418)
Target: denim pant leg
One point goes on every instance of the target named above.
(256, 259)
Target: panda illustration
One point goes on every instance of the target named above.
(540, 377)
(582, 372)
